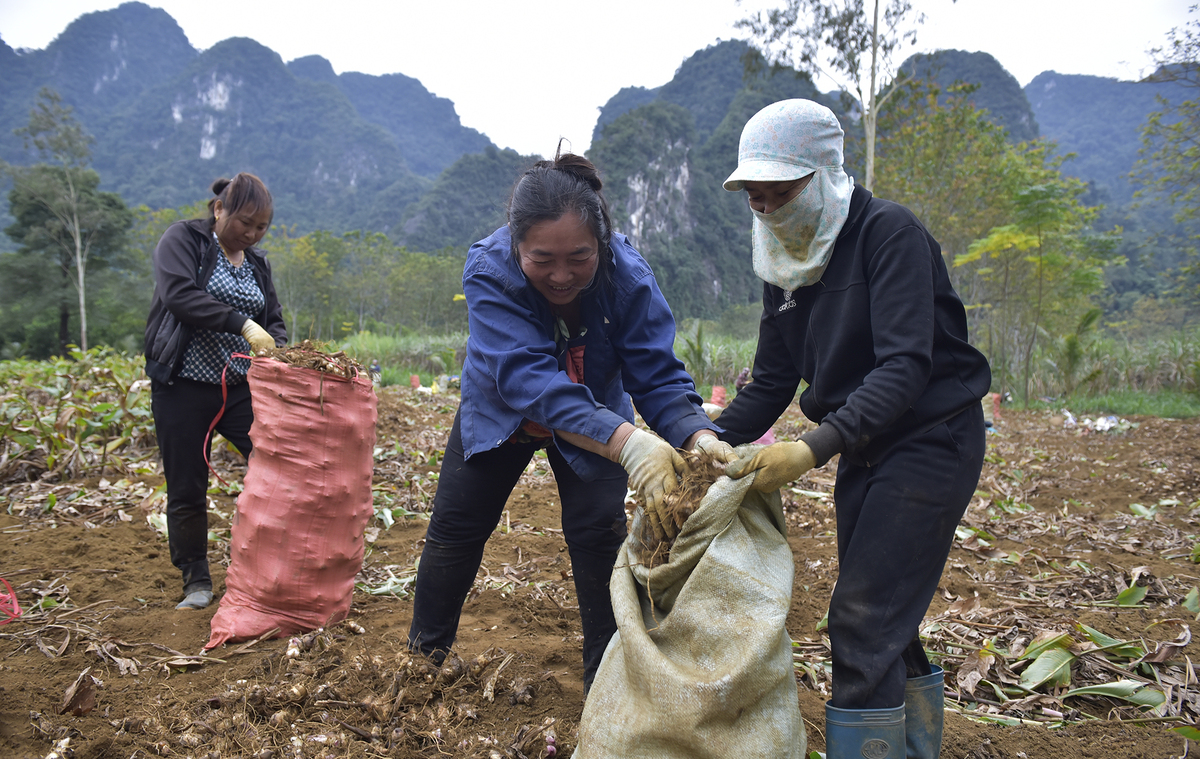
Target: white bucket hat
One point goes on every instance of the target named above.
(787, 140)
(783, 142)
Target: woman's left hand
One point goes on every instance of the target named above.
(718, 449)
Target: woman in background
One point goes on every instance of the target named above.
(213, 297)
(566, 324)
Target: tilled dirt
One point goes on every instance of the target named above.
(354, 691)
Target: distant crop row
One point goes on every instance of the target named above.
(89, 412)
(74, 416)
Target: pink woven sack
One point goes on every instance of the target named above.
(297, 537)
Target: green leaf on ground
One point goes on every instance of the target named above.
(1052, 667)
(1191, 602)
(1037, 647)
(1123, 648)
(1132, 596)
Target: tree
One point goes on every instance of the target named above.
(1025, 259)
(363, 276)
(1071, 348)
(841, 40)
(1037, 274)
(948, 163)
(58, 207)
(1170, 164)
(424, 286)
(303, 277)
(1171, 135)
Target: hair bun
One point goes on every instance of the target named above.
(579, 167)
(219, 186)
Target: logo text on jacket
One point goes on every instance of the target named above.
(787, 301)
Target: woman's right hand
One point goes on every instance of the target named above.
(653, 467)
(259, 338)
(777, 465)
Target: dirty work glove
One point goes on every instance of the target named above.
(718, 449)
(257, 337)
(653, 465)
(777, 465)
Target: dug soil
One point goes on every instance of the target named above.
(99, 595)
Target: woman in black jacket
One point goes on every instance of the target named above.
(858, 304)
(213, 297)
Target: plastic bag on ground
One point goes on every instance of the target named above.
(701, 664)
(297, 537)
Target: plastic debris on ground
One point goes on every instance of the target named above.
(1111, 424)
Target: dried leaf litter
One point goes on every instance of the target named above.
(703, 470)
(308, 355)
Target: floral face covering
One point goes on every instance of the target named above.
(792, 245)
(783, 142)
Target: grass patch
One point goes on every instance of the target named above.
(402, 356)
(402, 376)
(1172, 404)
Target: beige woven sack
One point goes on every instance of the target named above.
(701, 665)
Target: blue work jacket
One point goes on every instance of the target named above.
(515, 371)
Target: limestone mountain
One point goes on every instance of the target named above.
(100, 64)
(169, 119)
(402, 106)
(1100, 121)
(237, 107)
(664, 153)
(705, 84)
(381, 153)
(999, 93)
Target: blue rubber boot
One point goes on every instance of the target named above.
(924, 703)
(864, 733)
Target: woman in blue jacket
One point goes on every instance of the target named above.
(858, 304)
(568, 330)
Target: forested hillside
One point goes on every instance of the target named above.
(1099, 120)
(466, 203)
(998, 92)
(377, 168)
(341, 152)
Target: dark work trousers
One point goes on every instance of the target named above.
(182, 413)
(895, 528)
(468, 505)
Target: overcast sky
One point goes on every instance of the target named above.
(525, 72)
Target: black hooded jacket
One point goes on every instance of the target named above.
(881, 341)
(184, 260)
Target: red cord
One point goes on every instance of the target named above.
(217, 418)
(8, 604)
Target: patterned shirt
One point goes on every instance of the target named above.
(209, 351)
